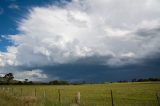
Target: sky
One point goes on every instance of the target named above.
(80, 40)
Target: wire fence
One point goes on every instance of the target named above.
(83, 97)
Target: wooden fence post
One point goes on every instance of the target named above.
(59, 96)
(78, 97)
(21, 91)
(8, 89)
(158, 98)
(12, 91)
(44, 93)
(112, 98)
(35, 92)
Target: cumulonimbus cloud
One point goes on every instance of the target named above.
(115, 32)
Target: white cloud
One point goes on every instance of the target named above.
(130, 54)
(9, 57)
(61, 35)
(35, 74)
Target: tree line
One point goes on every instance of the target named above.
(8, 79)
(141, 80)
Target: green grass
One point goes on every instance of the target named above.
(124, 94)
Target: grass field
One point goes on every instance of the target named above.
(124, 94)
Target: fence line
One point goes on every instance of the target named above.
(76, 96)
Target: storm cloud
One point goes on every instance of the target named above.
(102, 33)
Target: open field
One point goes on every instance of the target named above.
(124, 94)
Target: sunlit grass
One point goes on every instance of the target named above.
(124, 94)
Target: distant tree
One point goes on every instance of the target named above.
(58, 82)
(140, 80)
(19, 83)
(26, 81)
(123, 81)
(8, 77)
(134, 80)
(30, 82)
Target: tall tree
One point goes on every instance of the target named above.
(9, 77)
(25, 81)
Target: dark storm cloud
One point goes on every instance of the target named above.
(89, 72)
(94, 60)
(99, 73)
(149, 32)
